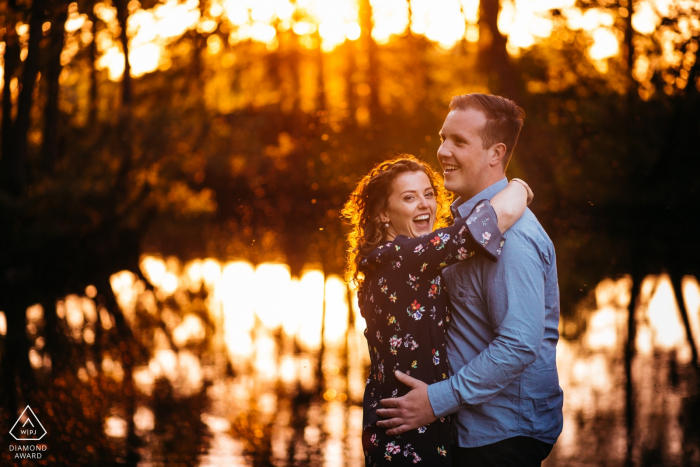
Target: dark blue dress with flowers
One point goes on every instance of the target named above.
(407, 311)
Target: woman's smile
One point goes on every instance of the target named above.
(411, 207)
(422, 222)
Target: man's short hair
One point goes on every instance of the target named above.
(504, 119)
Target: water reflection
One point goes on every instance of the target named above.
(591, 371)
(265, 368)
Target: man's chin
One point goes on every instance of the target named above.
(450, 185)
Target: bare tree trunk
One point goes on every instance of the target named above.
(17, 159)
(676, 280)
(57, 345)
(16, 371)
(493, 56)
(11, 57)
(371, 50)
(637, 278)
(123, 16)
(350, 331)
(350, 78)
(92, 54)
(52, 114)
(294, 58)
(320, 79)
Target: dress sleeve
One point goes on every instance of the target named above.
(478, 232)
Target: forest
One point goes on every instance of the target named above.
(237, 129)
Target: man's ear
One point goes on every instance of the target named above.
(496, 154)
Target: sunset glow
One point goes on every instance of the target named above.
(444, 22)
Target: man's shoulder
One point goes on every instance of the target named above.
(528, 233)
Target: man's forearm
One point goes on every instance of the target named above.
(483, 377)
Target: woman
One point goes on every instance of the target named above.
(396, 262)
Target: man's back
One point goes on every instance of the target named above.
(502, 341)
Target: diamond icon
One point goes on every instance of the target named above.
(28, 427)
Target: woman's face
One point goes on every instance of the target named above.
(412, 207)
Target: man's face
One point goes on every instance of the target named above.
(464, 160)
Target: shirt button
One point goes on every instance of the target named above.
(461, 294)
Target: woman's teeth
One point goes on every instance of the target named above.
(451, 168)
(423, 217)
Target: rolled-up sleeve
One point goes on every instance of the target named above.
(515, 298)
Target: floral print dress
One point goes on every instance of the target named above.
(406, 308)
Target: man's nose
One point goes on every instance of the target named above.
(442, 152)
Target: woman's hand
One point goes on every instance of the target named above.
(511, 202)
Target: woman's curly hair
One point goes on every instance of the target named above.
(370, 198)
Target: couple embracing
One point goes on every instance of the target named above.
(462, 321)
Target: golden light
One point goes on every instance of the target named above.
(353, 31)
(126, 289)
(211, 271)
(113, 60)
(524, 22)
(149, 32)
(236, 294)
(288, 370)
(22, 29)
(262, 11)
(691, 294)
(235, 291)
(190, 330)
(3, 324)
(236, 11)
(663, 315)
(304, 27)
(603, 329)
(89, 310)
(291, 319)
(115, 427)
(35, 359)
(216, 10)
(605, 44)
(75, 21)
(470, 9)
(144, 380)
(144, 420)
(74, 312)
(645, 20)
(336, 322)
(271, 287)
(390, 17)
(265, 361)
(334, 19)
(164, 364)
(153, 269)
(262, 32)
(189, 377)
(112, 368)
(440, 21)
(308, 306)
(35, 313)
(91, 291)
(214, 44)
(193, 275)
(642, 70)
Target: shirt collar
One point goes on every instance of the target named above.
(462, 208)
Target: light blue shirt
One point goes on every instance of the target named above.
(502, 340)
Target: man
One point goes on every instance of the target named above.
(503, 393)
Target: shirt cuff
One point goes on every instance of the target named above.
(483, 227)
(442, 398)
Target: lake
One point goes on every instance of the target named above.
(247, 365)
